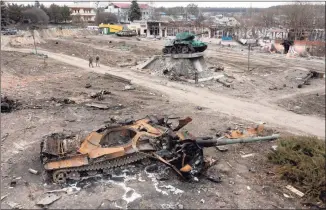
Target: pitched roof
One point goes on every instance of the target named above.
(127, 5)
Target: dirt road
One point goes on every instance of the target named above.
(255, 112)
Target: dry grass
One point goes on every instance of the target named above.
(301, 161)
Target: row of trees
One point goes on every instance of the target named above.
(299, 16)
(36, 14)
(191, 9)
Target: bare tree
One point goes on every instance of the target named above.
(192, 9)
(267, 18)
(105, 17)
(300, 17)
(77, 20)
(200, 19)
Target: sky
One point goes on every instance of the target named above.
(173, 3)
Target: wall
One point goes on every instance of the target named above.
(260, 33)
(139, 25)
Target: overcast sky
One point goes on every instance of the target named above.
(173, 3)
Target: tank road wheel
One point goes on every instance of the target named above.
(180, 49)
(165, 51)
(185, 49)
(191, 48)
(174, 50)
(59, 177)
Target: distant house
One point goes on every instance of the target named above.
(86, 11)
(121, 10)
(226, 21)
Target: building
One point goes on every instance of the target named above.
(86, 13)
(121, 10)
(86, 10)
(226, 21)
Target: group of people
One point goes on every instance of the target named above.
(97, 61)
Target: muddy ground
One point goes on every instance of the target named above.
(312, 104)
(270, 76)
(246, 182)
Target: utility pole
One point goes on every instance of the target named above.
(248, 56)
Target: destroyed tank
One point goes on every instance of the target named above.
(127, 142)
(127, 33)
(185, 43)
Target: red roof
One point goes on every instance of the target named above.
(126, 5)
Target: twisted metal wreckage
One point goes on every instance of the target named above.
(124, 143)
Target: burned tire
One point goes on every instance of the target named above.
(59, 177)
(184, 49)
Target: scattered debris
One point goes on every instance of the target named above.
(7, 104)
(33, 171)
(272, 88)
(287, 196)
(14, 205)
(88, 85)
(3, 197)
(222, 148)
(223, 83)
(13, 183)
(100, 94)
(295, 191)
(129, 87)
(216, 179)
(248, 132)
(216, 68)
(4, 137)
(310, 75)
(247, 155)
(179, 206)
(274, 147)
(63, 101)
(47, 199)
(98, 105)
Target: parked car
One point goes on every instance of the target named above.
(9, 31)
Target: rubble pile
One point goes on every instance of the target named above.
(7, 104)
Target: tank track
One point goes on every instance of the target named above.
(108, 164)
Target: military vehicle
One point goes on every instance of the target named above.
(185, 43)
(123, 143)
(127, 33)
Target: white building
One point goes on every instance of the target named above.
(226, 21)
(86, 10)
(121, 11)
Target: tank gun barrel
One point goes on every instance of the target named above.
(225, 141)
(206, 32)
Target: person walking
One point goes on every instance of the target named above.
(90, 61)
(97, 60)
